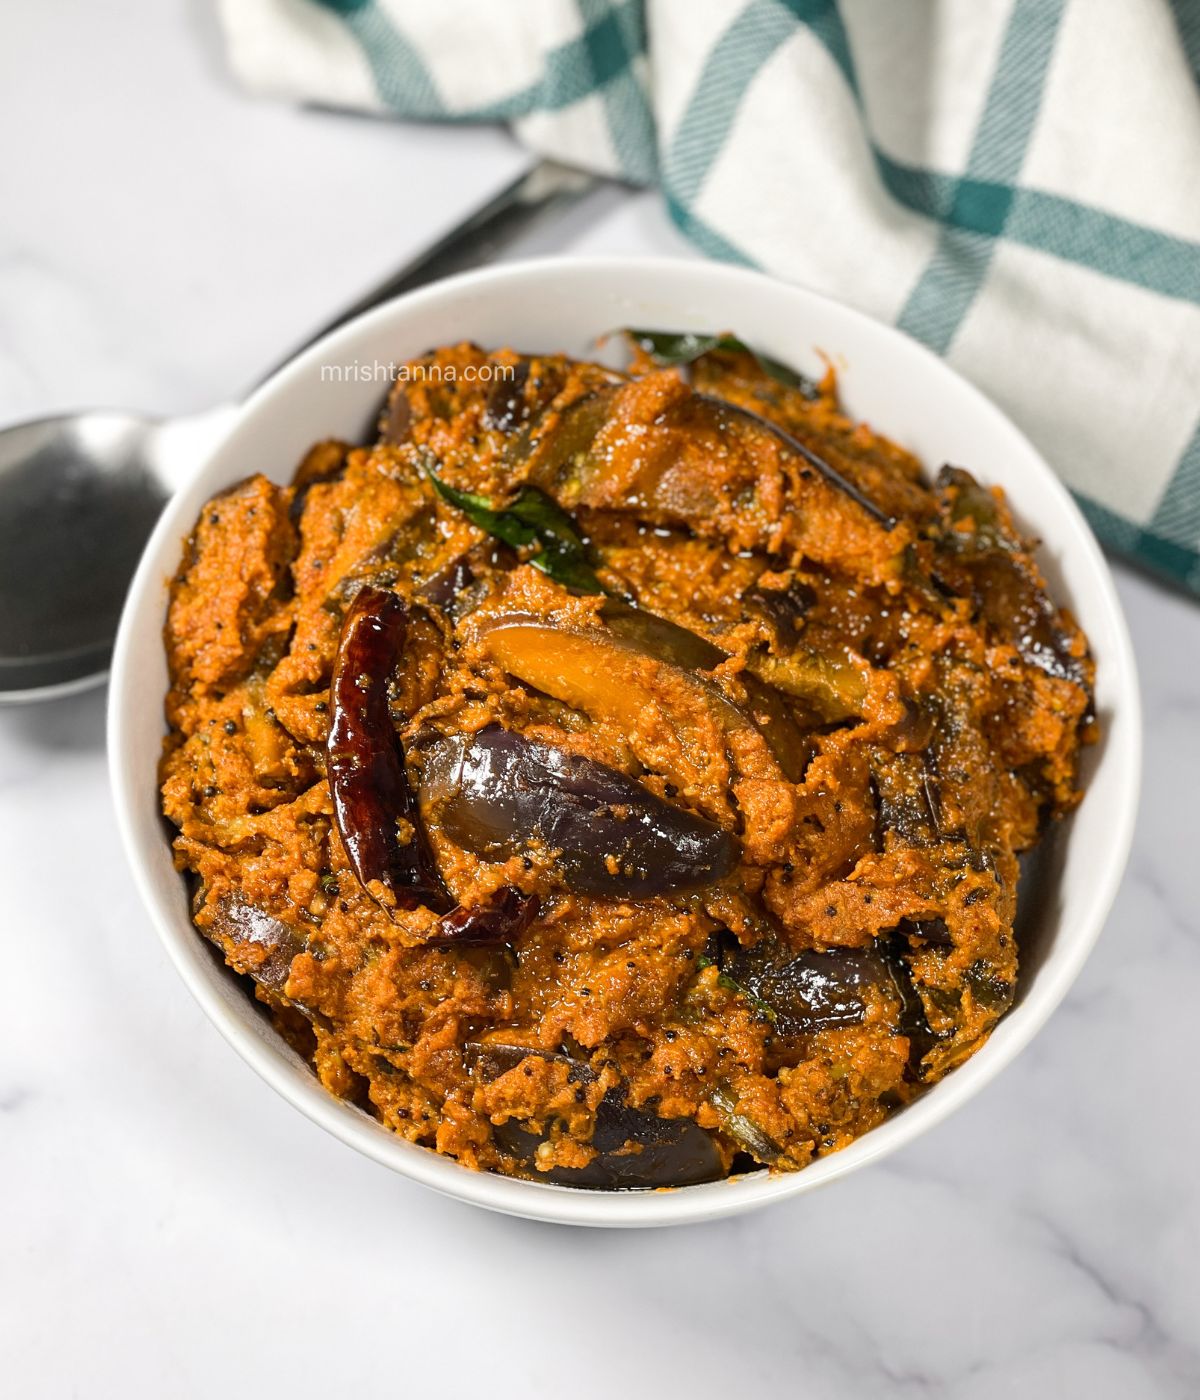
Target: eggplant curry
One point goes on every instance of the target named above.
(619, 778)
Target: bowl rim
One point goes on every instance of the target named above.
(542, 1200)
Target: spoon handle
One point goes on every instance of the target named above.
(543, 192)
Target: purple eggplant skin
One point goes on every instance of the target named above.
(933, 933)
(497, 793)
(455, 588)
(444, 588)
(784, 608)
(1002, 582)
(912, 1020)
(808, 991)
(816, 991)
(242, 931)
(501, 919)
(673, 1151)
(506, 409)
(365, 763)
(907, 802)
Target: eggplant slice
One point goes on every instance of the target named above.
(499, 794)
(635, 1147)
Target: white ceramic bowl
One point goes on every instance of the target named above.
(564, 305)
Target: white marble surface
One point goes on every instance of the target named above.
(168, 1227)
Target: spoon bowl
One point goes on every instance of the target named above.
(81, 494)
(80, 501)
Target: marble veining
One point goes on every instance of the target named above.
(170, 1227)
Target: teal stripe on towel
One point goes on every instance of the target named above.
(613, 40)
(1078, 233)
(733, 62)
(401, 77)
(1178, 513)
(982, 201)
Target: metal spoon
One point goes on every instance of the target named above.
(79, 494)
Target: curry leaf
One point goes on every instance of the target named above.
(531, 518)
(683, 347)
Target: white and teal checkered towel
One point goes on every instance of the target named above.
(1014, 182)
